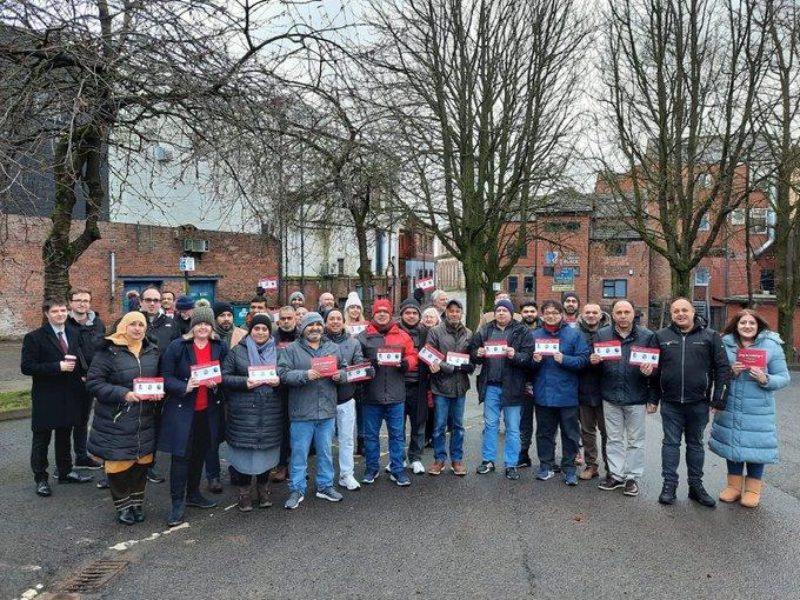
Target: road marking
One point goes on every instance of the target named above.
(122, 546)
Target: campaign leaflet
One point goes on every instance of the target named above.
(752, 357)
(430, 355)
(263, 373)
(547, 346)
(390, 356)
(644, 356)
(426, 284)
(457, 359)
(206, 373)
(357, 373)
(495, 348)
(149, 388)
(611, 350)
(325, 365)
(356, 327)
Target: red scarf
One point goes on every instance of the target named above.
(551, 328)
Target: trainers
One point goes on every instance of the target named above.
(349, 482)
(388, 467)
(512, 473)
(631, 488)
(175, 517)
(436, 468)
(417, 467)
(154, 477)
(293, 501)
(87, 462)
(667, 495)
(486, 466)
(699, 494)
(102, 483)
(400, 478)
(215, 485)
(199, 501)
(330, 494)
(557, 467)
(458, 468)
(524, 461)
(590, 472)
(544, 473)
(571, 477)
(370, 475)
(610, 483)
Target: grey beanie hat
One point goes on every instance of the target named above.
(202, 314)
(297, 294)
(312, 317)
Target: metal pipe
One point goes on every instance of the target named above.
(112, 259)
(771, 220)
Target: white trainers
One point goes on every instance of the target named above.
(349, 482)
(417, 467)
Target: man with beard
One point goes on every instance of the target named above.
(297, 299)
(326, 302)
(530, 318)
(590, 400)
(416, 382)
(439, 301)
(223, 324)
(285, 334)
(572, 305)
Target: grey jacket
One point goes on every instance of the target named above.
(308, 400)
(450, 381)
(350, 350)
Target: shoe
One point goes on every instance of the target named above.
(262, 489)
(733, 491)
(631, 488)
(557, 467)
(197, 500)
(610, 483)
(667, 495)
(429, 443)
(400, 478)
(486, 466)
(699, 494)
(215, 485)
(280, 474)
(349, 482)
(176, 513)
(330, 494)
(590, 472)
(154, 477)
(87, 462)
(512, 473)
(102, 483)
(524, 461)
(245, 501)
(74, 477)
(388, 468)
(436, 467)
(125, 516)
(138, 514)
(417, 467)
(571, 477)
(459, 468)
(752, 492)
(43, 489)
(293, 501)
(370, 475)
(544, 473)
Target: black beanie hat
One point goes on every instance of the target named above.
(221, 307)
(260, 319)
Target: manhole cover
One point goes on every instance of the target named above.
(92, 577)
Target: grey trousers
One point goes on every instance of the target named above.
(625, 428)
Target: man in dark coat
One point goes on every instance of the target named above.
(529, 311)
(49, 355)
(285, 333)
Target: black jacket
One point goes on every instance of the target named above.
(92, 339)
(589, 379)
(162, 330)
(621, 383)
(121, 430)
(516, 371)
(693, 366)
(450, 381)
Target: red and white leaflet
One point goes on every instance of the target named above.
(207, 373)
(752, 357)
(390, 356)
(262, 372)
(644, 356)
(268, 283)
(457, 359)
(611, 350)
(426, 284)
(325, 365)
(148, 388)
(547, 346)
(357, 327)
(495, 348)
(357, 373)
(430, 355)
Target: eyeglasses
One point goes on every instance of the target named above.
(548, 313)
(80, 301)
(151, 299)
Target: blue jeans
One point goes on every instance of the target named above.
(448, 410)
(302, 433)
(550, 419)
(689, 421)
(395, 417)
(492, 407)
(754, 470)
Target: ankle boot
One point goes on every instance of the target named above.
(263, 495)
(734, 489)
(245, 500)
(176, 513)
(752, 492)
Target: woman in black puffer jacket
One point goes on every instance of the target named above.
(255, 416)
(123, 430)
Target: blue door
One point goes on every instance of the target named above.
(202, 288)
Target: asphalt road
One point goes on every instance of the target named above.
(445, 537)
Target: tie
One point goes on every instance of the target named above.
(62, 342)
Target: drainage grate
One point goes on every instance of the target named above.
(92, 577)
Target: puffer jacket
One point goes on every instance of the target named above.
(308, 400)
(350, 350)
(621, 383)
(745, 430)
(121, 430)
(161, 330)
(254, 419)
(515, 370)
(388, 385)
(554, 384)
(450, 381)
(589, 379)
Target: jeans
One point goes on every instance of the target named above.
(754, 470)
(345, 427)
(39, 450)
(302, 434)
(185, 471)
(416, 441)
(689, 421)
(526, 425)
(625, 459)
(448, 410)
(492, 407)
(548, 420)
(394, 415)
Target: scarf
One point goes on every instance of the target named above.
(261, 355)
(337, 338)
(551, 328)
(382, 329)
(119, 337)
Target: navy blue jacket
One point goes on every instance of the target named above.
(554, 384)
(515, 370)
(621, 383)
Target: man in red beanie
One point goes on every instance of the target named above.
(392, 353)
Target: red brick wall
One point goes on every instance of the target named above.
(573, 250)
(602, 266)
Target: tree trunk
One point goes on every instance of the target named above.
(473, 280)
(787, 285)
(364, 268)
(681, 282)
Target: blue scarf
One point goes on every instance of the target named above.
(261, 355)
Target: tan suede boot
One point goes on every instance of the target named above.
(752, 492)
(734, 490)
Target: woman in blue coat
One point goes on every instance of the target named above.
(744, 433)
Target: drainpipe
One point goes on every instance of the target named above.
(770, 235)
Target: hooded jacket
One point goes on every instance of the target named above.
(308, 400)
(515, 371)
(450, 381)
(388, 385)
(351, 354)
(589, 379)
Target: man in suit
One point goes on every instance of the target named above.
(49, 355)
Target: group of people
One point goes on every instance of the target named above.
(277, 393)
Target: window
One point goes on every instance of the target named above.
(616, 248)
(340, 266)
(768, 280)
(702, 276)
(548, 271)
(758, 221)
(556, 226)
(615, 288)
(737, 216)
(704, 224)
(512, 283)
(528, 284)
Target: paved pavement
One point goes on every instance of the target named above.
(10, 377)
(445, 537)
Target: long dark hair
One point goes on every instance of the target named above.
(732, 326)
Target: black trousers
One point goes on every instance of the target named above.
(127, 487)
(185, 471)
(80, 433)
(286, 447)
(40, 448)
(157, 408)
(526, 425)
(243, 480)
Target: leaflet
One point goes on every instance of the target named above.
(457, 359)
(611, 350)
(358, 373)
(325, 365)
(390, 356)
(547, 346)
(149, 388)
(430, 355)
(644, 356)
(752, 357)
(264, 373)
(207, 373)
(495, 348)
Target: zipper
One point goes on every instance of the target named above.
(683, 374)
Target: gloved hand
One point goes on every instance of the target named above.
(403, 365)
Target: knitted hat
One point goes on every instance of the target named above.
(382, 304)
(295, 295)
(204, 314)
(456, 302)
(260, 319)
(566, 295)
(353, 300)
(184, 303)
(410, 303)
(312, 317)
(504, 304)
(222, 307)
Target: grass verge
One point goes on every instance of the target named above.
(15, 400)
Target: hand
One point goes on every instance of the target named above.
(313, 375)
(651, 408)
(192, 384)
(132, 397)
(537, 357)
(510, 352)
(435, 367)
(67, 366)
(558, 357)
(253, 384)
(481, 352)
(759, 375)
(158, 397)
(646, 369)
(595, 359)
(212, 386)
(273, 381)
(337, 376)
(737, 368)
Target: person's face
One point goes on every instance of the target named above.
(747, 327)
(258, 307)
(225, 320)
(529, 314)
(296, 302)
(313, 332)
(591, 314)
(135, 331)
(441, 302)
(335, 322)
(57, 315)
(502, 316)
(571, 305)
(430, 321)
(551, 316)
(151, 302)
(167, 300)
(327, 300)
(453, 314)
(382, 317)
(286, 320)
(260, 334)
(201, 331)
(410, 317)
(623, 315)
(186, 314)
(80, 304)
(354, 312)
(300, 312)
(682, 313)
